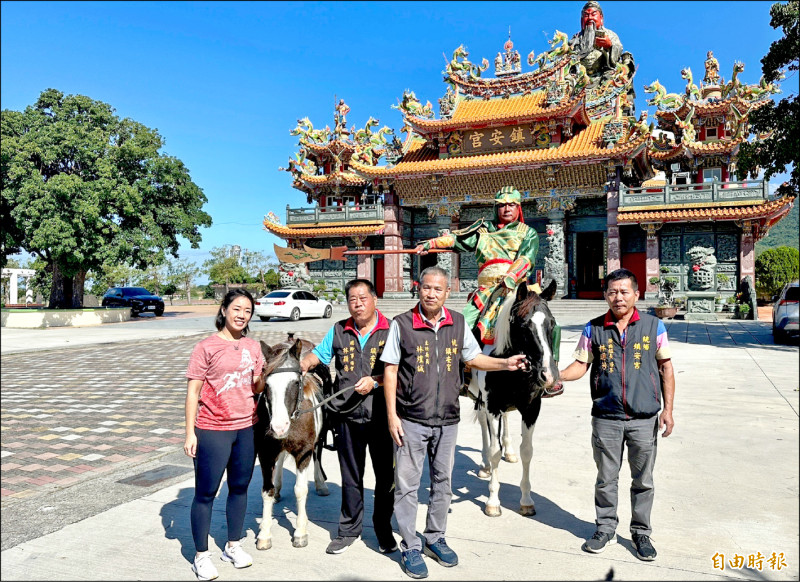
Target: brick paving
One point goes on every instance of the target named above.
(71, 415)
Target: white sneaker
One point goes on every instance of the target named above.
(204, 567)
(237, 556)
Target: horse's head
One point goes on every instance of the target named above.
(283, 392)
(530, 331)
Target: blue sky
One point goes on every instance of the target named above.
(224, 83)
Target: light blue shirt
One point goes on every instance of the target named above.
(391, 351)
(324, 351)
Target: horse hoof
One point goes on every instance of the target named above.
(484, 473)
(277, 497)
(492, 510)
(323, 491)
(511, 458)
(263, 544)
(300, 542)
(527, 510)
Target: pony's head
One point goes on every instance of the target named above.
(526, 325)
(283, 392)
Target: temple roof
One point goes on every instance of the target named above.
(585, 146)
(375, 227)
(341, 178)
(697, 148)
(481, 112)
(765, 210)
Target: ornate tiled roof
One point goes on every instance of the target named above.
(705, 108)
(342, 178)
(480, 112)
(585, 146)
(375, 227)
(697, 148)
(749, 212)
(333, 147)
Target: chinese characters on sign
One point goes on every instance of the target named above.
(510, 137)
(776, 561)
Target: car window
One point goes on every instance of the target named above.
(278, 294)
(793, 294)
(299, 295)
(131, 291)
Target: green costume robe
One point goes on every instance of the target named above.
(505, 257)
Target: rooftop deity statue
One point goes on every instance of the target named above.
(712, 70)
(340, 118)
(598, 48)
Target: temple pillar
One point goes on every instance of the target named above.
(613, 261)
(455, 262)
(393, 240)
(652, 261)
(747, 257)
(444, 260)
(364, 265)
(555, 264)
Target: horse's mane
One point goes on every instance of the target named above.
(502, 330)
(312, 384)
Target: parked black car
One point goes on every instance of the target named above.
(138, 299)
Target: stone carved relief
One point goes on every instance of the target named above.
(554, 261)
(702, 306)
(670, 249)
(294, 275)
(727, 247)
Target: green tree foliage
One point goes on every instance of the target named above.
(775, 268)
(272, 279)
(111, 275)
(257, 264)
(784, 234)
(779, 121)
(223, 267)
(181, 273)
(82, 188)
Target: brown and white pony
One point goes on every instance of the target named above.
(281, 431)
(524, 325)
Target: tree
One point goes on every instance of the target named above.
(223, 267)
(82, 188)
(775, 268)
(257, 265)
(778, 121)
(111, 275)
(181, 274)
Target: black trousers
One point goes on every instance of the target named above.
(352, 441)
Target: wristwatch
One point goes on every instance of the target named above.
(375, 385)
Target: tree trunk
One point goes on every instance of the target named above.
(57, 290)
(78, 282)
(188, 288)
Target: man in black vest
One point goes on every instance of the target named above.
(629, 355)
(356, 344)
(422, 380)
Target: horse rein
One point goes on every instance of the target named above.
(297, 412)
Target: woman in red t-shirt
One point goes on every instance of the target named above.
(225, 372)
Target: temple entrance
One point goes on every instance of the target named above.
(636, 263)
(380, 281)
(426, 261)
(589, 265)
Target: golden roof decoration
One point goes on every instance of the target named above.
(341, 230)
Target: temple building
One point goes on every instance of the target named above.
(602, 186)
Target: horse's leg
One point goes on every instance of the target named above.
(319, 479)
(264, 537)
(277, 478)
(526, 506)
(485, 470)
(300, 537)
(508, 446)
(493, 502)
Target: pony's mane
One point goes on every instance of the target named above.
(502, 330)
(312, 384)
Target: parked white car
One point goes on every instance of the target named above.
(292, 304)
(785, 310)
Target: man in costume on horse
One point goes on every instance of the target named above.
(505, 249)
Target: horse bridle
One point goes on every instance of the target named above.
(290, 370)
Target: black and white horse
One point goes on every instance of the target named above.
(281, 431)
(524, 325)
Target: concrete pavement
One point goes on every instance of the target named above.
(726, 480)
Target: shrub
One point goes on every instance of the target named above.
(775, 268)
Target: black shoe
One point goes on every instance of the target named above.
(598, 542)
(413, 564)
(386, 542)
(442, 553)
(340, 544)
(644, 549)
